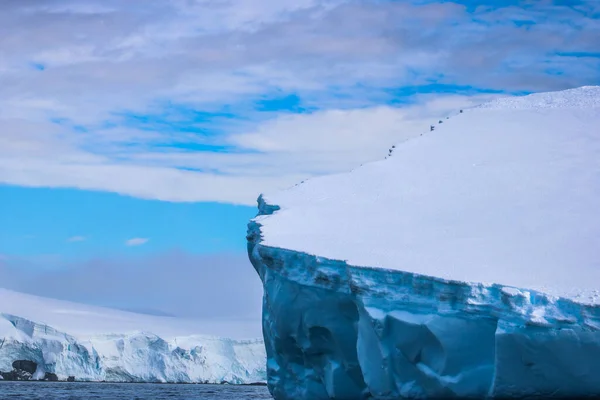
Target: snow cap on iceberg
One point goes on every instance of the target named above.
(504, 193)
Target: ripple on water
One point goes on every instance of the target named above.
(128, 391)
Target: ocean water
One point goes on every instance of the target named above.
(128, 391)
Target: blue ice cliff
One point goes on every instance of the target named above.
(465, 265)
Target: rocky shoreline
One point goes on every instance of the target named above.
(25, 370)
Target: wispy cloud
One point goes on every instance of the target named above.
(274, 154)
(136, 241)
(181, 100)
(76, 239)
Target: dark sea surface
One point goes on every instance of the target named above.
(127, 391)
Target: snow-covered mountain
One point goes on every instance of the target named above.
(466, 263)
(95, 343)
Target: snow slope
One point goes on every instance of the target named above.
(95, 343)
(465, 264)
(505, 193)
(84, 320)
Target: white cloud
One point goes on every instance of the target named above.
(274, 155)
(76, 239)
(61, 127)
(136, 241)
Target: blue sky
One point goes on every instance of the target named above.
(158, 124)
(78, 224)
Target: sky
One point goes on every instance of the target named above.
(135, 136)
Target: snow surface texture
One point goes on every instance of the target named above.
(466, 264)
(96, 344)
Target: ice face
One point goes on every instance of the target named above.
(464, 265)
(120, 356)
(337, 331)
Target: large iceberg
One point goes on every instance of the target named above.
(467, 263)
(43, 338)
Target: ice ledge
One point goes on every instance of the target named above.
(334, 330)
(430, 294)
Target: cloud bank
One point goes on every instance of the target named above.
(174, 283)
(208, 100)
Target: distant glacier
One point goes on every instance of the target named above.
(99, 344)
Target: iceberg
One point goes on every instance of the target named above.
(47, 339)
(465, 264)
